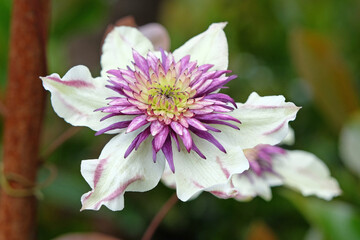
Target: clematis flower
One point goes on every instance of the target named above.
(165, 110)
(274, 166)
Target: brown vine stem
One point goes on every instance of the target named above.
(70, 132)
(159, 217)
(24, 103)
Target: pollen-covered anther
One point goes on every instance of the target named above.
(169, 99)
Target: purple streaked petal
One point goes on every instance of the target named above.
(140, 61)
(160, 138)
(205, 67)
(152, 61)
(111, 109)
(221, 97)
(201, 111)
(222, 109)
(186, 139)
(199, 82)
(203, 85)
(175, 138)
(143, 136)
(190, 66)
(154, 152)
(156, 127)
(120, 101)
(114, 72)
(184, 61)
(117, 125)
(131, 111)
(265, 156)
(218, 116)
(167, 150)
(109, 116)
(166, 60)
(177, 127)
(221, 72)
(118, 83)
(131, 146)
(116, 89)
(221, 123)
(271, 149)
(207, 136)
(196, 149)
(136, 123)
(196, 124)
(216, 84)
(208, 127)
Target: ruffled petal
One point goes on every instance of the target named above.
(194, 174)
(209, 47)
(118, 45)
(112, 175)
(264, 120)
(75, 97)
(303, 171)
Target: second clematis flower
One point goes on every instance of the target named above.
(165, 110)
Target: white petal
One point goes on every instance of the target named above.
(168, 177)
(118, 45)
(308, 174)
(209, 47)
(264, 120)
(75, 97)
(194, 174)
(111, 175)
(290, 137)
(250, 185)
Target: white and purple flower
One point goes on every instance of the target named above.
(165, 110)
(274, 166)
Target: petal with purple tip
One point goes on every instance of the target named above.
(167, 150)
(156, 127)
(196, 124)
(117, 174)
(186, 139)
(160, 138)
(136, 123)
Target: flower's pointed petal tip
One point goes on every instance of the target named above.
(220, 25)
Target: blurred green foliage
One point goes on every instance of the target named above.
(259, 35)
